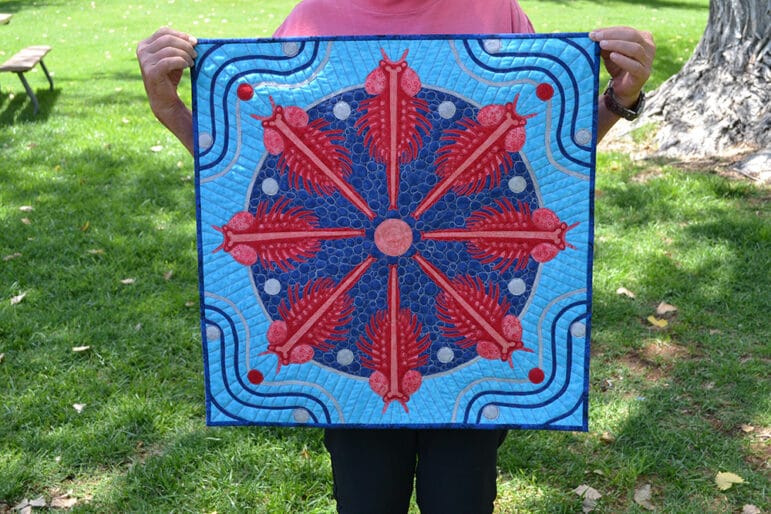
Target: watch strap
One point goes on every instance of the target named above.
(613, 105)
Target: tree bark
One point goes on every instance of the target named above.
(718, 104)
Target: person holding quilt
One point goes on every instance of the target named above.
(454, 470)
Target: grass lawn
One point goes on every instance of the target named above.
(97, 250)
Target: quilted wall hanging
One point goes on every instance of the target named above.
(396, 231)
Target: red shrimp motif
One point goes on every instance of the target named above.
(394, 349)
(310, 153)
(502, 234)
(393, 118)
(477, 154)
(314, 318)
(476, 316)
(278, 236)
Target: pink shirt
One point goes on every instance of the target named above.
(381, 17)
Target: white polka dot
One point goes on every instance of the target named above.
(445, 355)
(490, 412)
(584, 137)
(272, 286)
(301, 415)
(270, 186)
(290, 48)
(344, 357)
(492, 46)
(213, 332)
(446, 109)
(517, 287)
(342, 110)
(205, 140)
(578, 329)
(517, 184)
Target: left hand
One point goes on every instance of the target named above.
(628, 56)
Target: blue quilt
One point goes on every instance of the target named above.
(396, 232)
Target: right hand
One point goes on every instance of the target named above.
(163, 58)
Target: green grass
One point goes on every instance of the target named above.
(109, 205)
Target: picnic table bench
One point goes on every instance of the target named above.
(25, 60)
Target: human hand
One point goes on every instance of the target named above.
(628, 56)
(163, 57)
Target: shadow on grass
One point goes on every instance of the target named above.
(19, 107)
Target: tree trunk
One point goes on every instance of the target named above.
(718, 104)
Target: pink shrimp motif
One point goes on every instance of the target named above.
(502, 234)
(477, 154)
(393, 118)
(310, 153)
(314, 318)
(278, 236)
(394, 349)
(476, 316)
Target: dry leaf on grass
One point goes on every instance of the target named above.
(2, 357)
(26, 221)
(18, 298)
(590, 496)
(664, 308)
(625, 292)
(65, 501)
(15, 255)
(26, 208)
(79, 407)
(642, 497)
(26, 505)
(750, 509)
(156, 148)
(79, 349)
(127, 281)
(725, 481)
(168, 275)
(658, 323)
(96, 251)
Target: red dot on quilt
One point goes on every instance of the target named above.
(536, 375)
(255, 377)
(544, 91)
(245, 92)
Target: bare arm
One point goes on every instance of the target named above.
(163, 58)
(628, 56)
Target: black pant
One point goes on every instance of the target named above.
(373, 470)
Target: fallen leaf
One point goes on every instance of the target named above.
(138, 327)
(26, 208)
(750, 509)
(156, 148)
(656, 322)
(78, 349)
(589, 495)
(12, 256)
(96, 251)
(2, 357)
(26, 221)
(624, 291)
(642, 497)
(168, 275)
(26, 505)
(79, 407)
(18, 298)
(190, 304)
(747, 429)
(128, 281)
(664, 308)
(724, 481)
(85, 226)
(608, 438)
(65, 501)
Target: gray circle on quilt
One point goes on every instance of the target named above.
(492, 46)
(205, 140)
(272, 286)
(517, 287)
(290, 48)
(446, 109)
(517, 184)
(445, 354)
(270, 186)
(578, 329)
(345, 357)
(213, 332)
(342, 110)
(301, 415)
(490, 412)
(584, 137)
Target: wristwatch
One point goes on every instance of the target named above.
(628, 113)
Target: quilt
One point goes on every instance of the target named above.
(396, 231)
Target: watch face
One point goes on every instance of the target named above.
(396, 231)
